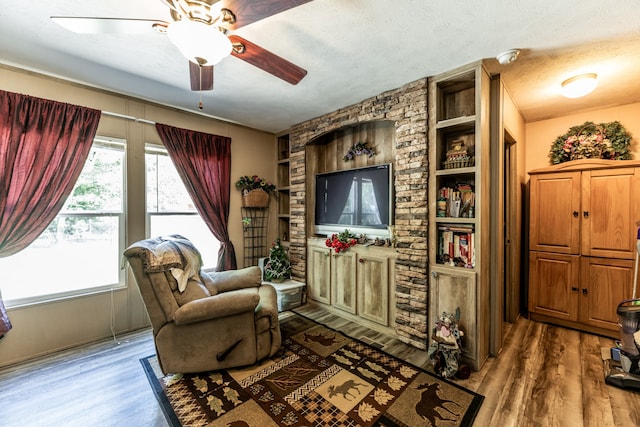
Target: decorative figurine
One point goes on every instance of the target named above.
(444, 351)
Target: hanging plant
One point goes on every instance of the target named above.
(592, 141)
(247, 183)
(359, 149)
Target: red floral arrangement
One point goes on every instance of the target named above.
(341, 242)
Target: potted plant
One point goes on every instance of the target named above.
(277, 267)
(255, 191)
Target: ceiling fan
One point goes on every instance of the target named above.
(199, 28)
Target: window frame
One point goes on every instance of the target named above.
(151, 148)
(107, 142)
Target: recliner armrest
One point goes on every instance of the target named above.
(231, 280)
(216, 307)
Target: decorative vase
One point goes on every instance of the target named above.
(255, 199)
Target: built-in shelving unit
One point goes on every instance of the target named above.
(283, 193)
(459, 204)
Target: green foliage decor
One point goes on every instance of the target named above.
(247, 183)
(592, 141)
(277, 267)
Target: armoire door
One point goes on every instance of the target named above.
(555, 213)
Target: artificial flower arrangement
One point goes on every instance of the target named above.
(277, 267)
(592, 141)
(247, 183)
(359, 149)
(341, 242)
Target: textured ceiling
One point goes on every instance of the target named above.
(352, 50)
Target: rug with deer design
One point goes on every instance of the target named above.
(319, 378)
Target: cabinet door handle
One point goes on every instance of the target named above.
(576, 214)
(574, 289)
(361, 261)
(585, 214)
(585, 291)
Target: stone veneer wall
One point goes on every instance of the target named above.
(407, 107)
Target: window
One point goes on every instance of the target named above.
(170, 209)
(80, 250)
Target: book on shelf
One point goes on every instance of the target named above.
(456, 202)
(456, 245)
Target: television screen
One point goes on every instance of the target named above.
(354, 199)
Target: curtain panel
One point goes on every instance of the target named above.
(43, 147)
(204, 164)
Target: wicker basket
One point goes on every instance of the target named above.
(255, 199)
(459, 163)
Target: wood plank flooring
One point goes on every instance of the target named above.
(101, 384)
(545, 376)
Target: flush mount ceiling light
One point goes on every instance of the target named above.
(580, 85)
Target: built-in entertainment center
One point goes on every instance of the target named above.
(394, 124)
(355, 195)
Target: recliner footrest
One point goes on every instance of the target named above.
(223, 354)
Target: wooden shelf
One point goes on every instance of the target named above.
(458, 115)
(283, 187)
(457, 123)
(457, 171)
(453, 220)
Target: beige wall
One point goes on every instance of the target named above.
(44, 328)
(540, 135)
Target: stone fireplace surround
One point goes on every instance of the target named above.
(407, 108)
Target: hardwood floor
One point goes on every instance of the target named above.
(101, 384)
(545, 376)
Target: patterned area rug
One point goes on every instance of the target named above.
(320, 377)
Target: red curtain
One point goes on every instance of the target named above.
(43, 147)
(204, 164)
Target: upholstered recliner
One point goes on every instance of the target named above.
(203, 321)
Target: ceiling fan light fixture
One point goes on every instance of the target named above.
(580, 85)
(200, 43)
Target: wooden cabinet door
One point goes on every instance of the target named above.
(319, 274)
(373, 288)
(452, 289)
(343, 281)
(555, 213)
(554, 285)
(604, 284)
(610, 199)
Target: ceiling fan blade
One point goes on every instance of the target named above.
(88, 25)
(248, 11)
(267, 61)
(201, 76)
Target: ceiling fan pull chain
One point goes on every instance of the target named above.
(200, 103)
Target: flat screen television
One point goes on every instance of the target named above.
(359, 200)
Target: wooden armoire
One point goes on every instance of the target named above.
(584, 217)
